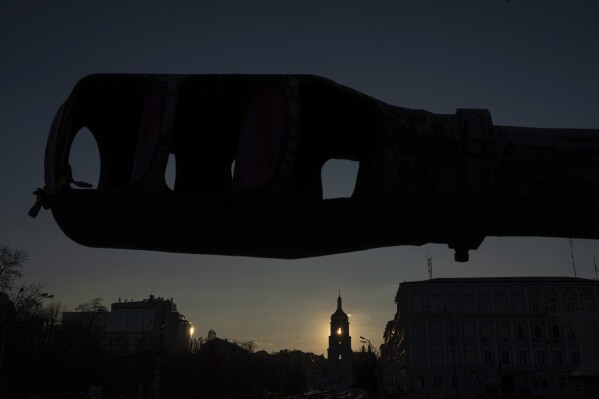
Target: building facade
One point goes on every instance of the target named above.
(150, 324)
(339, 363)
(486, 337)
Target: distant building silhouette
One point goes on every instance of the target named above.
(138, 325)
(339, 368)
(487, 337)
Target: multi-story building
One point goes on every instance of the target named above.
(152, 323)
(486, 337)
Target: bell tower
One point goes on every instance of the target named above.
(339, 370)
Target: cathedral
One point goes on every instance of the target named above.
(339, 369)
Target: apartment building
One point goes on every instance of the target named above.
(487, 337)
(150, 324)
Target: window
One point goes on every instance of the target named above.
(523, 357)
(471, 356)
(505, 357)
(453, 355)
(500, 303)
(552, 304)
(488, 357)
(452, 330)
(561, 384)
(520, 331)
(454, 381)
(576, 358)
(585, 303)
(540, 355)
(469, 329)
(450, 303)
(543, 382)
(420, 356)
(417, 303)
(420, 380)
(486, 330)
(433, 303)
(568, 333)
(555, 331)
(518, 303)
(538, 332)
(534, 304)
(558, 358)
(418, 330)
(467, 303)
(437, 381)
(503, 330)
(525, 383)
(435, 329)
(570, 304)
(437, 357)
(484, 303)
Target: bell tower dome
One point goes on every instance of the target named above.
(339, 370)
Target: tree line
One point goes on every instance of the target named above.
(39, 355)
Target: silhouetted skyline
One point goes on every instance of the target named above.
(530, 63)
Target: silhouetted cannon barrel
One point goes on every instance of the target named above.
(546, 183)
(422, 178)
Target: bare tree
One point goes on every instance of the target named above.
(93, 305)
(11, 265)
(90, 312)
(249, 346)
(49, 317)
(52, 315)
(28, 299)
(211, 335)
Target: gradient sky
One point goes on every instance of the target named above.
(531, 63)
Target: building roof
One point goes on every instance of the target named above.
(151, 302)
(504, 280)
(339, 313)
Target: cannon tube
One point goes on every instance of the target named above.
(423, 177)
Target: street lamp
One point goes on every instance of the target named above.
(190, 339)
(378, 370)
(370, 346)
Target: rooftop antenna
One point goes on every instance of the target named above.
(429, 263)
(595, 268)
(572, 255)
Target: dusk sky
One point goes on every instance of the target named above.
(530, 62)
